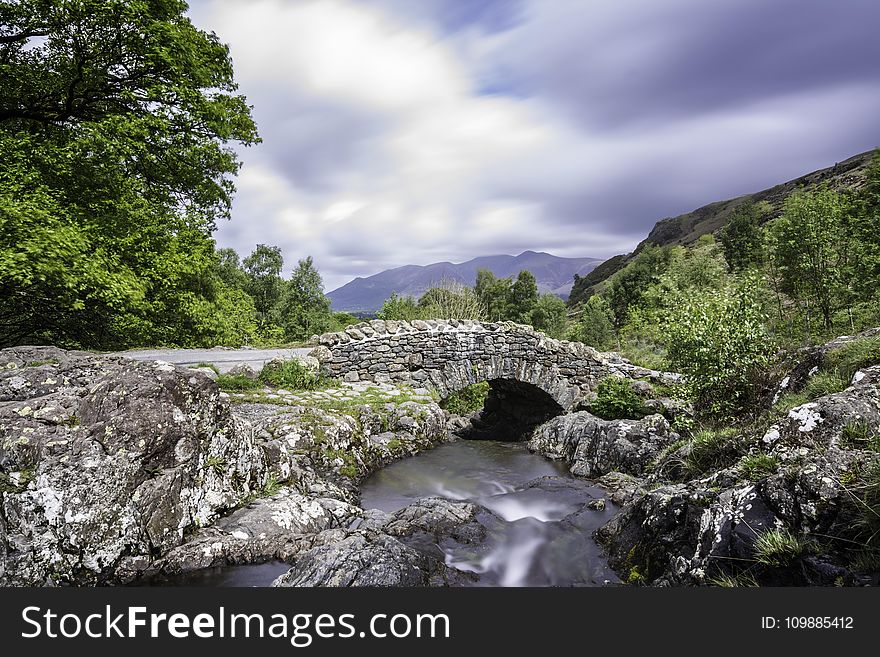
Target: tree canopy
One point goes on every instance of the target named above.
(117, 121)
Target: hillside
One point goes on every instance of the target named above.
(688, 227)
(553, 274)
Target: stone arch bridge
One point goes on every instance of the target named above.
(532, 377)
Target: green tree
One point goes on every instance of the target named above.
(812, 250)
(595, 326)
(741, 238)
(626, 287)
(399, 308)
(864, 229)
(303, 310)
(264, 283)
(523, 297)
(549, 315)
(493, 294)
(116, 124)
(229, 269)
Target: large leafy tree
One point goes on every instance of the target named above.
(304, 310)
(262, 269)
(813, 250)
(117, 119)
(523, 297)
(741, 238)
(493, 294)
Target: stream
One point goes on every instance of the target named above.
(539, 531)
(544, 537)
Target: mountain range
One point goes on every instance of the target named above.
(552, 273)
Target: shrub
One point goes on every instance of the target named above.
(290, 374)
(719, 341)
(779, 547)
(237, 382)
(467, 401)
(616, 400)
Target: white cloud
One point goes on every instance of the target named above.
(380, 149)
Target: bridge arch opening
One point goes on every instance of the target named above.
(511, 411)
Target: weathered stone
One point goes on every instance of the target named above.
(360, 558)
(595, 447)
(243, 369)
(121, 458)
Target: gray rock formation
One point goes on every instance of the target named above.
(104, 458)
(688, 533)
(111, 469)
(399, 550)
(595, 447)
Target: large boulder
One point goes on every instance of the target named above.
(361, 558)
(595, 447)
(104, 460)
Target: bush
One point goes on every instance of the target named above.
(718, 340)
(467, 401)
(616, 400)
(289, 374)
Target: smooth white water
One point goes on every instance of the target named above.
(541, 533)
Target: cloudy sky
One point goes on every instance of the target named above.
(412, 131)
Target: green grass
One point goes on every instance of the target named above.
(788, 402)
(780, 548)
(216, 463)
(847, 359)
(349, 467)
(237, 383)
(373, 398)
(290, 375)
(645, 354)
(758, 466)
(860, 435)
(468, 400)
(868, 505)
(742, 580)
(209, 366)
(824, 383)
(712, 449)
(38, 363)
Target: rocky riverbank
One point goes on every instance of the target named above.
(113, 470)
(788, 499)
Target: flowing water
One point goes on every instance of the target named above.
(538, 534)
(544, 535)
